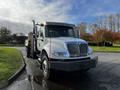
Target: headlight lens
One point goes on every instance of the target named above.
(60, 54)
(90, 51)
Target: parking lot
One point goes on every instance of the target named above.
(106, 76)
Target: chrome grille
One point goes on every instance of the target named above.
(77, 50)
(83, 49)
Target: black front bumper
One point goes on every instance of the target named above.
(74, 64)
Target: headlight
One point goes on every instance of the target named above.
(60, 54)
(90, 51)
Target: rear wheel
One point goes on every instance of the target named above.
(45, 67)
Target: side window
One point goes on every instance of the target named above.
(41, 34)
(71, 33)
(37, 32)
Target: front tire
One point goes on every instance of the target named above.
(45, 67)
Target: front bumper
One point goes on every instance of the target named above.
(74, 64)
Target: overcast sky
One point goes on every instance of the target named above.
(13, 12)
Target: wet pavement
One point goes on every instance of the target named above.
(106, 76)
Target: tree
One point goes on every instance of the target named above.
(110, 22)
(103, 35)
(118, 22)
(116, 37)
(82, 28)
(18, 38)
(98, 35)
(87, 37)
(93, 27)
(5, 35)
(4, 32)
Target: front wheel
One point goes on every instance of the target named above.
(45, 67)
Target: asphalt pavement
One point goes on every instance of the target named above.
(106, 76)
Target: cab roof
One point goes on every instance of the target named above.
(59, 23)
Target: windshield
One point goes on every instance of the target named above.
(59, 31)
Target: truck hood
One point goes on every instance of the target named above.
(58, 44)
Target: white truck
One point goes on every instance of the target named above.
(56, 47)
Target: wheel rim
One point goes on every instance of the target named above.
(45, 68)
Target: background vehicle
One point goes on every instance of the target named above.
(56, 46)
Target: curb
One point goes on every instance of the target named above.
(17, 73)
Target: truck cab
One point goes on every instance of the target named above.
(57, 47)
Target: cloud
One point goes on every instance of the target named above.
(17, 15)
(88, 10)
(74, 11)
(26, 10)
